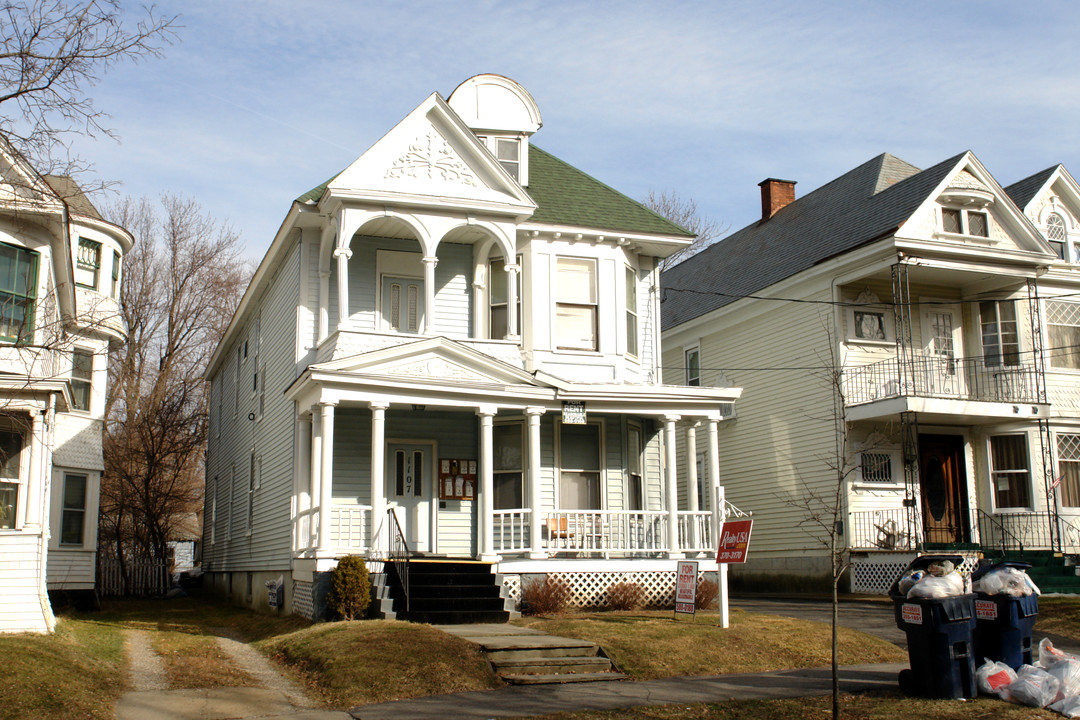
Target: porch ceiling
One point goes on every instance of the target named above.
(939, 411)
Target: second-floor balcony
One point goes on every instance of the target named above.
(982, 378)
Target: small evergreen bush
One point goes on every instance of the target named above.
(624, 596)
(350, 588)
(707, 593)
(549, 597)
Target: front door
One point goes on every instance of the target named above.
(409, 489)
(944, 489)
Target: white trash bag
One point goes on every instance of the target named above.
(1009, 581)
(931, 586)
(1068, 673)
(1067, 706)
(1033, 687)
(1050, 655)
(994, 677)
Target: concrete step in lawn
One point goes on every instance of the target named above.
(523, 656)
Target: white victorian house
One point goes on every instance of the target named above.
(951, 307)
(450, 353)
(59, 288)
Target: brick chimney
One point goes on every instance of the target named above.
(775, 194)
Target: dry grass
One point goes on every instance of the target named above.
(196, 661)
(875, 706)
(77, 672)
(1059, 615)
(650, 645)
(368, 661)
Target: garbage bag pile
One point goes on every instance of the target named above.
(1053, 683)
(940, 579)
(1009, 581)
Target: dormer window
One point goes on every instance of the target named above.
(965, 222)
(509, 152)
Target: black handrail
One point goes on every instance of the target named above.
(399, 554)
(1003, 532)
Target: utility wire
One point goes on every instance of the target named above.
(849, 303)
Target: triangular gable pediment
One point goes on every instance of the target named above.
(969, 186)
(435, 359)
(431, 155)
(1060, 195)
(20, 183)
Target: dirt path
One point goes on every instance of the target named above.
(150, 699)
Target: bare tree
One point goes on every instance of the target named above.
(181, 283)
(51, 53)
(683, 211)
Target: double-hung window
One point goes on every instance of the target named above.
(508, 465)
(1009, 471)
(499, 299)
(73, 516)
(1063, 330)
(692, 357)
(635, 492)
(88, 264)
(1068, 447)
(579, 467)
(82, 372)
(10, 448)
(1000, 333)
(631, 313)
(116, 275)
(18, 292)
(575, 305)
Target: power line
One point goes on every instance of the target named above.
(850, 303)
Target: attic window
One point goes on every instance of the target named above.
(1055, 234)
(508, 153)
(965, 222)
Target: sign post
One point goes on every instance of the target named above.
(686, 588)
(734, 545)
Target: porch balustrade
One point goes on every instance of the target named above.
(890, 529)
(979, 378)
(1019, 531)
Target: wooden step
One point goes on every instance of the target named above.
(553, 665)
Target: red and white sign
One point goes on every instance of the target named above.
(686, 587)
(911, 614)
(734, 541)
(986, 610)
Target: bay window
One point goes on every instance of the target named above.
(575, 305)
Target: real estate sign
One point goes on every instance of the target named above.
(686, 587)
(734, 541)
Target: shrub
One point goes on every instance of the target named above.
(549, 597)
(707, 593)
(350, 588)
(624, 596)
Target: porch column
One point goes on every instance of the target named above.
(429, 293)
(302, 482)
(315, 478)
(324, 304)
(326, 477)
(692, 481)
(487, 486)
(671, 482)
(512, 273)
(716, 501)
(535, 499)
(34, 513)
(378, 469)
(342, 254)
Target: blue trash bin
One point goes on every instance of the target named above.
(940, 639)
(1004, 624)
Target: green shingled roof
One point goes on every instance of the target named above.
(567, 196)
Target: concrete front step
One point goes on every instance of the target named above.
(554, 679)
(552, 665)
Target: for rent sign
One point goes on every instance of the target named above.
(734, 541)
(686, 586)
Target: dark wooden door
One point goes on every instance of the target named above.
(944, 489)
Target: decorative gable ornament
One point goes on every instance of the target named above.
(430, 157)
(437, 368)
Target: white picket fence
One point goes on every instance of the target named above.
(146, 577)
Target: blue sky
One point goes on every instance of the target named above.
(258, 102)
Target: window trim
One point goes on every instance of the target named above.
(993, 472)
(965, 223)
(65, 511)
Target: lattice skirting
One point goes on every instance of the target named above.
(303, 602)
(589, 589)
(875, 574)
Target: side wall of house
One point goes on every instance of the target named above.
(775, 451)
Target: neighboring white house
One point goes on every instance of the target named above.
(456, 335)
(957, 326)
(59, 285)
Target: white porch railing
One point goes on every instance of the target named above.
(511, 530)
(695, 531)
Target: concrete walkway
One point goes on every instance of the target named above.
(273, 698)
(528, 700)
